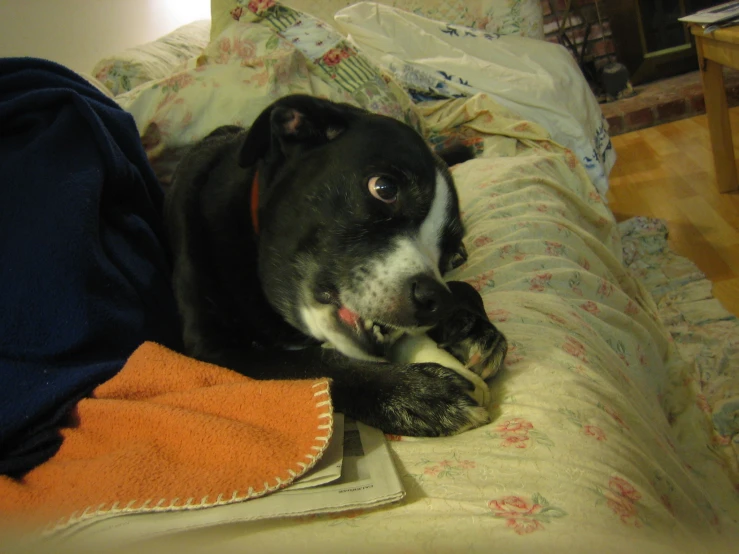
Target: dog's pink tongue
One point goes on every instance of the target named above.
(349, 317)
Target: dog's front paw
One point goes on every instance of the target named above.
(427, 400)
(474, 341)
(468, 335)
(482, 349)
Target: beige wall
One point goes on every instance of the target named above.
(77, 33)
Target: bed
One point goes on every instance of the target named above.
(602, 436)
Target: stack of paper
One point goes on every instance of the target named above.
(711, 19)
(356, 471)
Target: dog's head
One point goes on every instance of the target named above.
(358, 221)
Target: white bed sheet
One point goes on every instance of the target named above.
(538, 80)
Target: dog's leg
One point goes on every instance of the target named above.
(456, 154)
(413, 399)
(468, 334)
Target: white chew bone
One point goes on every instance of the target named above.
(410, 349)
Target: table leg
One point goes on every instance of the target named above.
(719, 125)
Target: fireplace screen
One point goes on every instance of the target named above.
(662, 30)
(650, 40)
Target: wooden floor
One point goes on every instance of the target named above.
(667, 172)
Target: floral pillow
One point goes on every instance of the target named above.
(126, 70)
(500, 17)
(265, 52)
(331, 57)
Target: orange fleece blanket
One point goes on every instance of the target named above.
(169, 432)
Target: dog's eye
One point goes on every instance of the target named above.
(383, 189)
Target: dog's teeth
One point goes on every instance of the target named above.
(378, 333)
(368, 325)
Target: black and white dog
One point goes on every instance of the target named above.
(324, 224)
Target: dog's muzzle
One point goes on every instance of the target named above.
(432, 300)
(423, 302)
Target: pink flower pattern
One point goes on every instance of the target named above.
(508, 250)
(667, 503)
(554, 248)
(571, 159)
(516, 441)
(523, 515)
(575, 348)
(177, 82)
(523, 526)
(622, 498)
(260, 6)
(482, 241)
(483, 280)
(615, 416)
(515, 433)
(514, 354)
(449, 468)
(631, 308)
(539, 282)
(605, 289)
(518, 433)
(593, 431)
(515, 426)
(335, 56)
(499, 316)
(554, 318)
(702, 403)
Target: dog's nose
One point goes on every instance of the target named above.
(431, 299)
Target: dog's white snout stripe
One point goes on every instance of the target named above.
(430, 233)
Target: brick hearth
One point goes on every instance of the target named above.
(654, 103)
(663, 101)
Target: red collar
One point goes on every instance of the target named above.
(255, 203)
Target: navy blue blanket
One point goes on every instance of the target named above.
(84, 278)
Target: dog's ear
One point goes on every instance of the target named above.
(296, 121)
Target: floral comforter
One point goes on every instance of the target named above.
(703, 330)
(600, 439)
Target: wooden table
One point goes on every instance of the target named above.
(715, 50)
